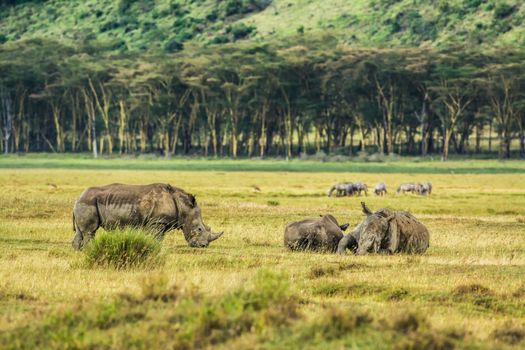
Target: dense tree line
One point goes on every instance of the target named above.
(250, 99)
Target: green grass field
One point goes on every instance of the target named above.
(246, 290)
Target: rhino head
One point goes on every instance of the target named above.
(373, 230)
(368, 236)
(196, 233)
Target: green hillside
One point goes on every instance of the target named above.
(168, 24)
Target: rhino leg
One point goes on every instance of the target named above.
(87, 222)
(77, 241)
(347, 242)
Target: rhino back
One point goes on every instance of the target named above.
(313, 234)
(121, 205)
(414, 236)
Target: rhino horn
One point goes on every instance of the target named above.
(366, 210)
(214, 236)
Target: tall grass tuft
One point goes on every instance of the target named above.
(124, 249)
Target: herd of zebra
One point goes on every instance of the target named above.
(343, 189)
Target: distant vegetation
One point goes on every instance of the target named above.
(261, 78)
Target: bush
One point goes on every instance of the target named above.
(123, 249)
(173, 46)
(220, 39)
(235, 7)
(503, 10)
(472, 4)
(240, 30)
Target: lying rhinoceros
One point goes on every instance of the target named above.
(386, 231)
(317, 234)
(159, 207)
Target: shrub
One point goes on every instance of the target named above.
(510, 333)
(339, 322)
(173, 46)
(503, 10)
(123, 249)
(240, 30)
(472, 4)
(235, 7)
(220, 39)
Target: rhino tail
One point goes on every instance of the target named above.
(74, 227)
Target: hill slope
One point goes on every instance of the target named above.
(167, 24)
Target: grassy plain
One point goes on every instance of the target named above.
(246, 290)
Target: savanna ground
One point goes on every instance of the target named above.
(246, 290)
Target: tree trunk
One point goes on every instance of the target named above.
(479, 130)
(123, 117)
(7, 118)
(263, 137)
(490, 136)
(59, 129)
(446, 142)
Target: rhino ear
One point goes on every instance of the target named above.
(344, 227)
(193, 201)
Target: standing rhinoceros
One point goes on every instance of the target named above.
(359, 187)
(318, 234)
(386, 231)
(341, 189)
(424, 189)
(380, 189)
(408, 187)
(159, 207)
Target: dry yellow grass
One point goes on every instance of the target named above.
(477, 225)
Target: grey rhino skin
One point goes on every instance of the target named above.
(424, 189)
(160, 207)
(408, 187)
(380, 189)
(386, 231)
(359, 187)
(317, 234)
(342, 189)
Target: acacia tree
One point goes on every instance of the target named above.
(454, 89)
(504, 82)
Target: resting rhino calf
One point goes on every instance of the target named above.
(317, 234)
(341, 189)
(380, 189)
(386, 231)
(159, 207)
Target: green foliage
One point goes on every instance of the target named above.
(173, 45)
(472, 4)
(237, 7)
(503, 10)
(192, 322)
(123, 249)
(240, 31)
